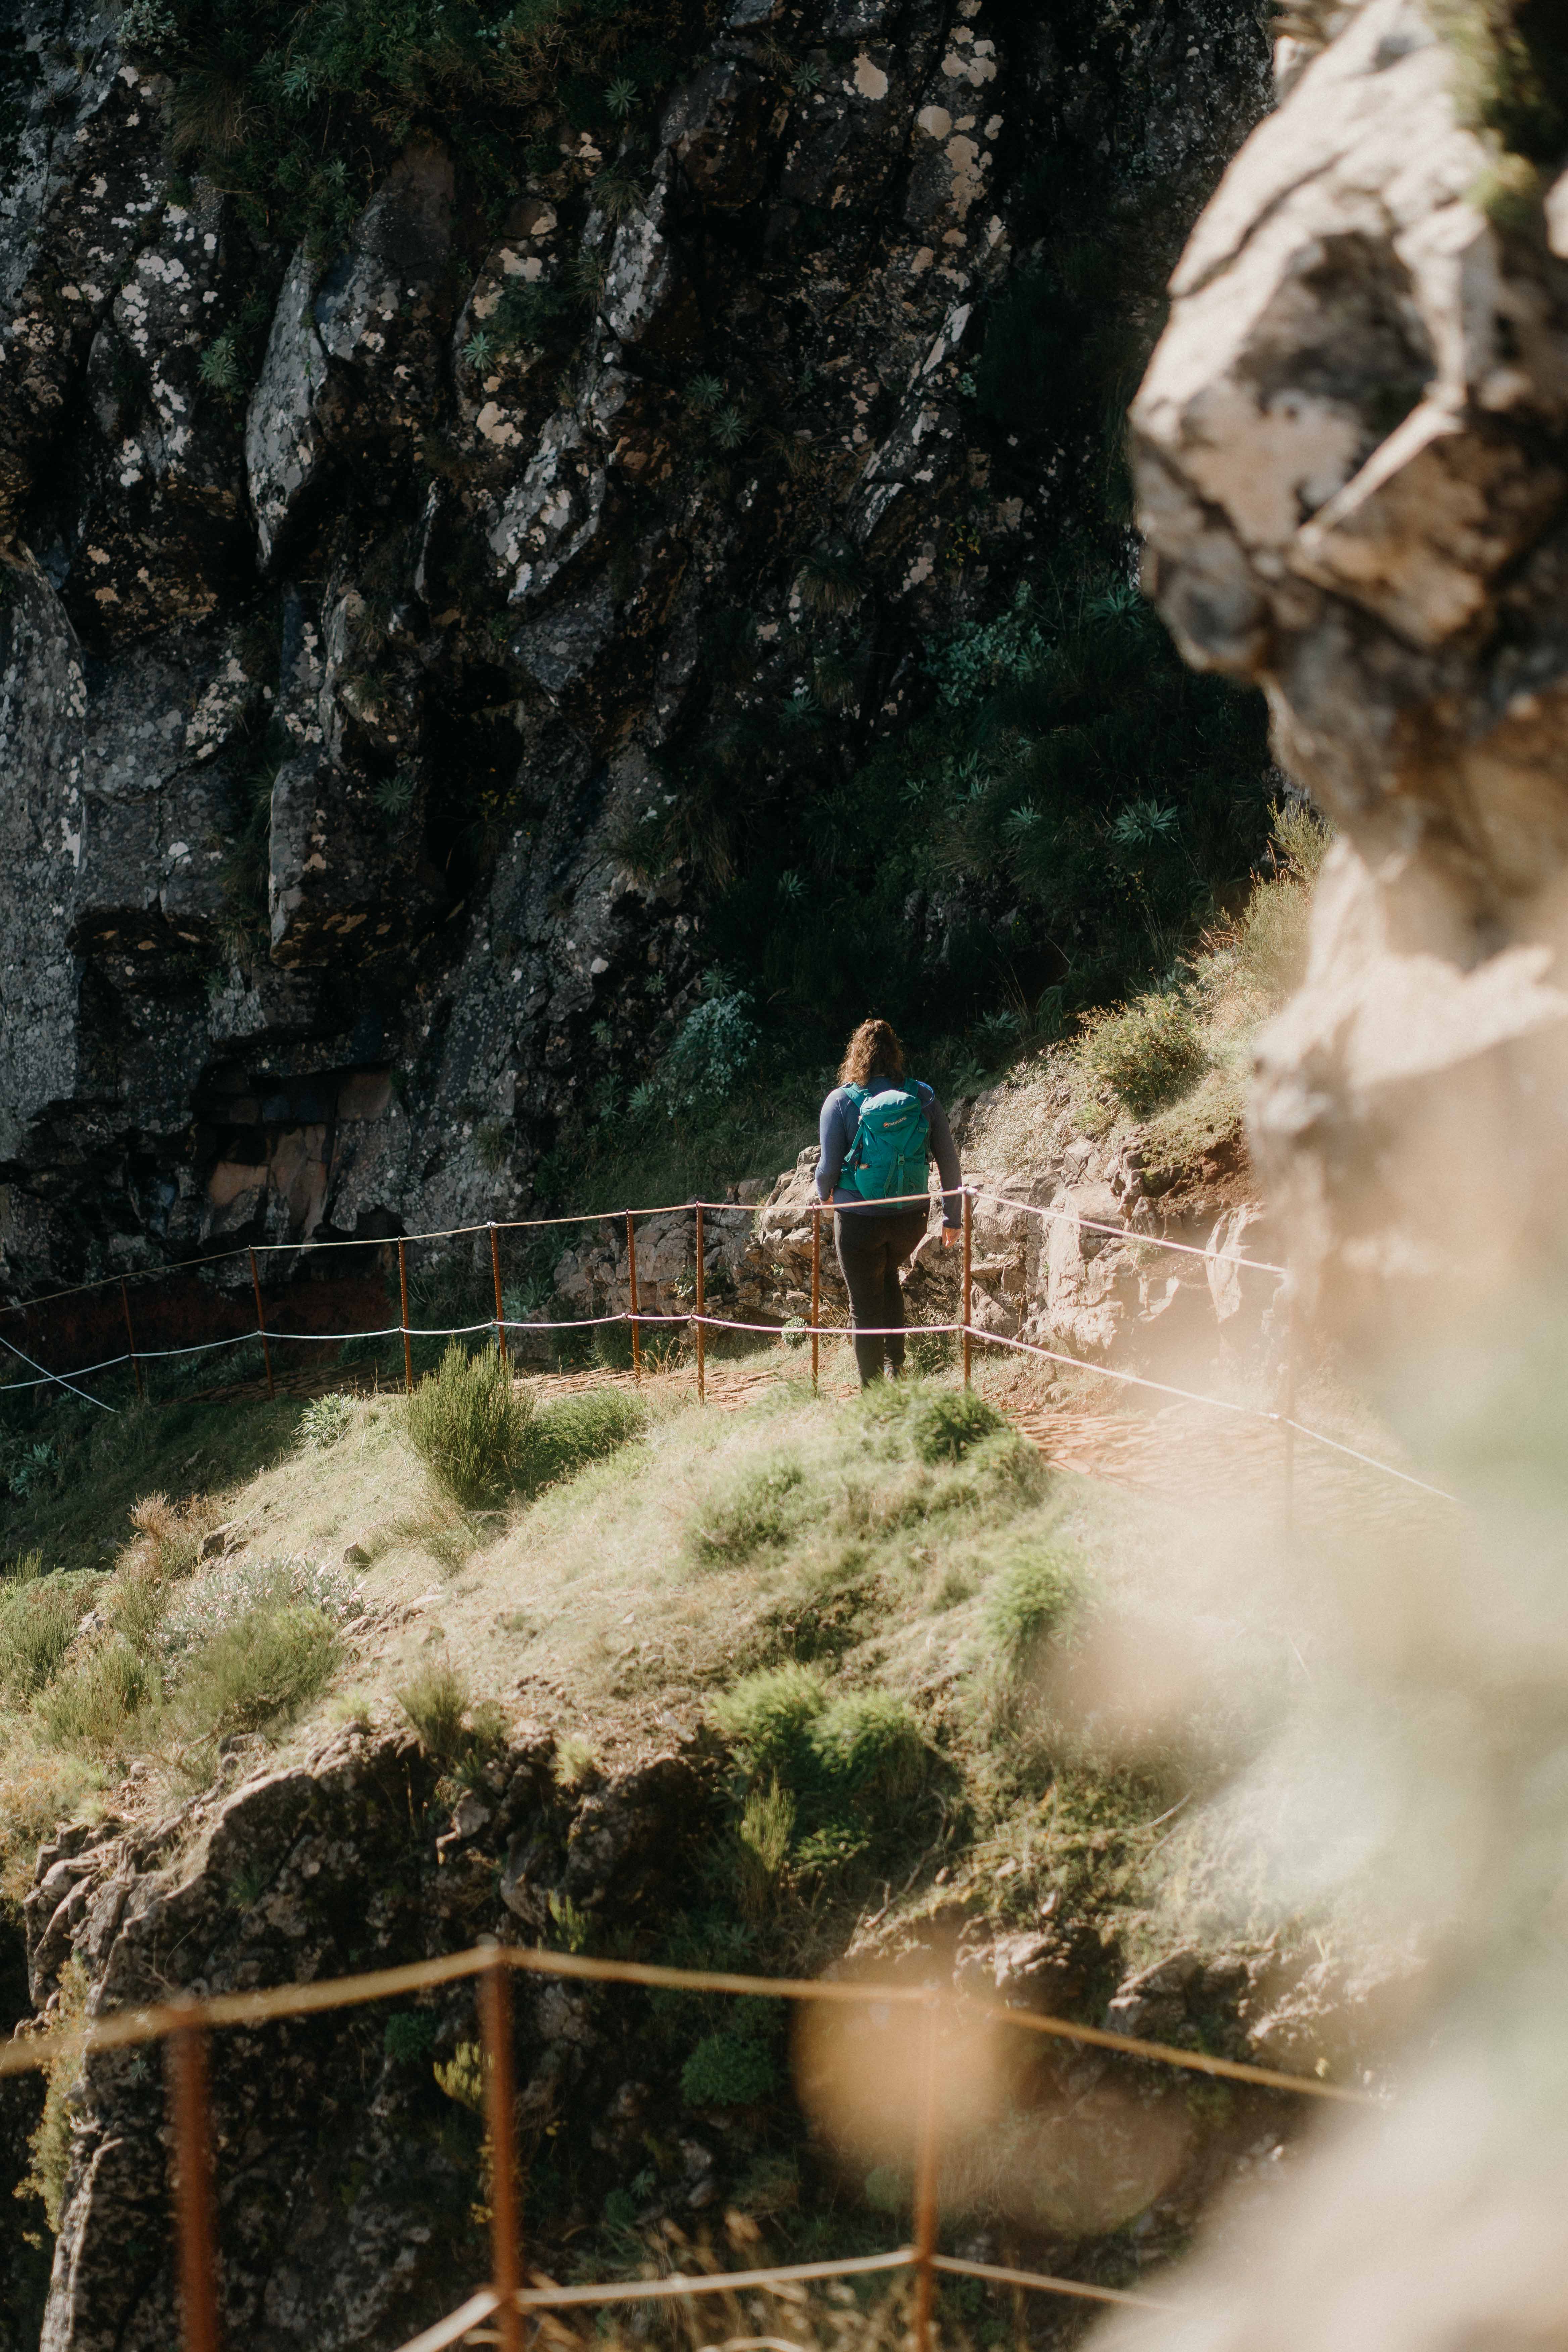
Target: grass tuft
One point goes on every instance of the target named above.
(761, 1508)
(259, 1672)
(436, 1700)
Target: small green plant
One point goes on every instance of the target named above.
(49, 2145)
(1028, 1601)
(762, 1847)
(469, 1424)
(219, 367)
(38, 1618)
(731, 425)
(574, 1759)
(831, 580)
(327, 1419)
(489, 1142)
(462, 2077)
(260, 1673)
(576, 1430)
(99, 1702)
(1144, 1054)
(621, 97)
(762, 1507)
(395, 795)
(569, 1925)
(705, 393)
(408, 2036)
(728, 2070)
(945, 1423)
(436, 1700)
(480, 350)
(840, 1759)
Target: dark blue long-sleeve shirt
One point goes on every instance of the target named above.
(836, 1133)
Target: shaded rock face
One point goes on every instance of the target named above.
(345, 2177)
(1353, 476)
(329, 703)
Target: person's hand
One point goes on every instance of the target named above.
(951, 1236)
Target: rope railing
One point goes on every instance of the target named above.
(183, 2026)
(699, 1322)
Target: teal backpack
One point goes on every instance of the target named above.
(889, 1154)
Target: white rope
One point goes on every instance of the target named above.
(48, 1376)
(1127, 1234)
(1216, 1404)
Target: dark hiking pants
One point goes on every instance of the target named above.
(872, 1247)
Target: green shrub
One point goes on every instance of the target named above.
(836, 1763)
(1145, 1054)
(37, 1619)
(766, 1717)
(258, 1672)
(96, 1704)
(728, 2070)
(327, 1419)
(1025, 1604)
(868, 1744)
(763, 1507)
(945, 1423)
(436, 1700)
(576, 1430)
(408, 2036)
(469, 1425)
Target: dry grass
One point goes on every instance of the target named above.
(1174, 1066)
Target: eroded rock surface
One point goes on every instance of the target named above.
(343, 670)
(1353, 476)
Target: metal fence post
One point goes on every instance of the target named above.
(968, 1276)
(131, 1338)
(701, 1328)
(1289, 1419)
(402, 1293)
(816, 1291)
(925, 2181)
(632, 1279)
(187, 2063)
(495, 1269)
(495, 2029)
(261, 1324)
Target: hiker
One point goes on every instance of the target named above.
(876, 1133)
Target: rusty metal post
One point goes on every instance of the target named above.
(495, 1269)
(925, 2181)
(632, 1279)
(701, 1328)
(1289, 1419)
(187, 2062)
(815, 1292)
(261, 1324)
(968, 1276)
(131, 1338)
(495, 2030)
(402, 1293)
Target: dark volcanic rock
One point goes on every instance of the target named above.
(330, 700)
(344, 2176)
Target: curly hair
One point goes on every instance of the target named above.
(875, 1046)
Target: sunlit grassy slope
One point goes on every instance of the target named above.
(864, 1601)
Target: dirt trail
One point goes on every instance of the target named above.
(1189, 1452)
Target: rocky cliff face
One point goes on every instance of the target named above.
(1354, 479)
(348, 2156)
(349, 715)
